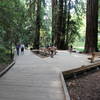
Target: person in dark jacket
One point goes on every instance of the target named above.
(17, 48)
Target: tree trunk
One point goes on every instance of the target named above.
(92, 26)
(63, 44)
(59, 25)
(68, 23)
(54, 20)
(38, 22)
(59, 9)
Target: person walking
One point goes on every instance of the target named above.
(22, 48)
(17, 49)
(70, 49)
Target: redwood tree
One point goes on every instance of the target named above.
(92, 26)
(59, 24)
(38, 22)
(54, 20)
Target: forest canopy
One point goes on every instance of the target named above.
(41, 23)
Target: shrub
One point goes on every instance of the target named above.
(4, 56)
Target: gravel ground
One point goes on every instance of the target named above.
(85, 88)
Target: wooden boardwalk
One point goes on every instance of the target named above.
(34, 78)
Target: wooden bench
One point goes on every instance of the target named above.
(93, 56)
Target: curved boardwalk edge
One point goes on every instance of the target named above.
(67, 97)
(76, 70)
(6, 69)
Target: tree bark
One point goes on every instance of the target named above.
(38, 22)
(68, 23)
(59, 25)
(54, 20)
(63, 42)
(91, 26)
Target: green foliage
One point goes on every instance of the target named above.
(45, 33)
(4, 55)
(18, 22)
(45, 22)
(11, 19)
(12, 26)
(76, 13)
(73, 32)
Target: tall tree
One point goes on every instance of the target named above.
(64, 26)
(11, 22)
(92, 26)
(59, 24)
(54, 20)
(35, 17)
(68, 23)
(38, 23)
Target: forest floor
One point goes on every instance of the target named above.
(5, 61)
(3, 66)
(86, 87)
